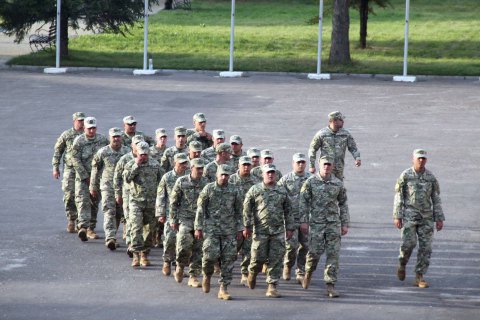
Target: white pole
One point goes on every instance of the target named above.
(146, 70)
(57, 68)
(404, 77)
(230, 73)
(319, 75)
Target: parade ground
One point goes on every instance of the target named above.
(47, 273)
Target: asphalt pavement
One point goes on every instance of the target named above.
(46, 273)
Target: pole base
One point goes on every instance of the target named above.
(319, 76)
(55, 70)
(404, 78)
(231, 74)
(144, 72)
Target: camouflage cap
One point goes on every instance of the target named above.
(199, 117)
(143, 148)
(115, 132)
(161, 132)
(266, 153)
(218, 133)
(195, 146)
(335, 115)
(420, 153)
(137, 138)
(180, 158)
(236, 139)
(224, 169)
(129, 120)
(78, 116)
(245, 160)
(299, 157)
(90, 122)
(253, 152)
(268, 167)
(197, 163)
(325, 159)
(180, 131)
(221, 147)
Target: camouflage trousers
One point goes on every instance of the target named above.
(223, 249)
(324, 238)
(87, 206)
(245, 247)
(112, 213)
(189, 250)
(424, 231)
(169, 240)
(68, 188)
(296, 251)
(126, 198)
(141, 223)
(269, 248)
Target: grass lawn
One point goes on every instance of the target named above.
(279, 35)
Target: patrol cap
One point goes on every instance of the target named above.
(335, 115)
(223, 147)
(253, 152)
(245, 160)
(420, 153)
(161, 132)
(137, 138)
(115, 132)
(218, 133)
(180, 131)
(266, 153)
(195, 146)
(129, 120)
(325, 159)
(180, 158)
(268, 167)
(299, 157)
(90, 122)
(143, 148)
(197, 163)
(236, 139)
(199, 117)
(224, 169)
(78, 116)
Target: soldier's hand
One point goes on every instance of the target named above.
(439, 225)
(56, 173)
(247, 233)
(344, 230)
(119, 200)
(398, 223)
(162, 219)
(312, 170)
(304, 228)
(198, 234)
(239, 235)
(174, 226)
(358, 163)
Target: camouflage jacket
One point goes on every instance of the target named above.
(257, 173)
(156, 153)
(268, 210)
(143, 181)
(127, 140)
(118, 185)
(219, 210)
(83, 150)
(193, 135)
(323, 201)
(209, 154)
(167, 162)
(236, 158)
(63, 148)
(293, 184)
(243, 183)
(164, 190)
(417, 197)
(333, 144)
(210, 171)
(183, 200)
(103, 167)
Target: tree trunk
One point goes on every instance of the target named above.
(64, 36)
(340, 49)
(363, 23)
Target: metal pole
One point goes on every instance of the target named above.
(232, 35)
(57, 40)
(145, 36)
(320, 31)
(405, 52)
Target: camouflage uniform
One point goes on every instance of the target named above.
(142, 182)
(127, 140)
(209, 154)
(83, 150)
(236, 158)
(121, 190)
(270, 213)
(158, 228)
(193, 135)
(167, 162)
(418, 204)
(257, 173)
(333, 144)
(219, 216)
(210, 171)
(103, 169)
(297, 246)
(63, 149)
(156, 153)
(323, 205)
(183, 207)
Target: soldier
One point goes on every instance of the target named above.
(209, 154)
(84, 148)
(333, 142)
(63, 150)
(101, 181)
(297, 246)
(254, 153)
(199, 133)
(130, 130)
(323, 205)
(143, 175)
(194, 150)
(237, 152)
(164, 190)
(243, 180)
(183, 208)
(267, 209)
(416, 210)
(266, 157)
(219, 223)
(179, 147)
(224, 152)
(158, 150)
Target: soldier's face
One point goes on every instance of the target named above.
(90, 132)
(236, 148)
(143, 157)
(245, 169)
(269, 177)
(197, 172)
(419, 164)
(255, 161)
(336, 124)
(162, 140)
(116, 142)
(78, 125)
(194, 154)
(130, 128)
(225, 156)
(222, 179)
(299, 166)
(267, 160)
(326, 169)
(181, 167)
(180, 141)
(219, 140)
(200, 126)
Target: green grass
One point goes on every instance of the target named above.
(276, 35)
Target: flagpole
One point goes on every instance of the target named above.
(319, 75)
(404, 77)
(57, 68)
(230, 73)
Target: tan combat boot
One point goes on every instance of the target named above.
(252, 280)
(223, 293)
(82, 234)
(144, 262)
(111, 244)
(401, 272)
(135, 259)
(287, 272)
(193, 282)
(244, 280)
(179, 274)
(91, 234)
(306, 280)
(71, 226)
(299, 278)
(264, 268)
(272, 291)
(206, 283)
(331, 292)
(420, 282)
(166, 268)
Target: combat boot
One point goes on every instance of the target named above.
(179, 274)
(135, 259)
(420, 282)
(91, 234)
(223, 293)
(144, 262)
(252, 280)
(331, 292)
(287, 273)
(71, 226)
(166, 268)
(401, 272)
(264, 268)
(129, 252)
(272, 291)
(193, 282)
(299, 278)
(82, 234)
(111, 244)
(306, 280)
(206, 283)
(244, 280)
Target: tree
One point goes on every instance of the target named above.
(365, 7)
(18, 16)
(340, 48)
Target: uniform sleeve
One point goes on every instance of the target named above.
(437, 202)
(343, 206)
(399, 199)
(202, 207)
(164, 162)
(288, 213)
(237, 207)
(97, 166)
(161, 203)
(304, 203)
(249, 208)
(77, 161)
(175, 200)
(118, 179)
(58, 151)
(131, 172)
(312, 150)
(352, 147)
